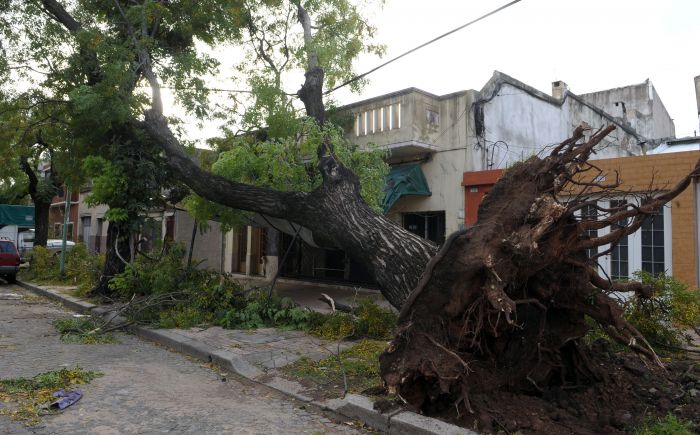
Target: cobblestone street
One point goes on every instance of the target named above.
(145, 388)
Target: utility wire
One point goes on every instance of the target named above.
(365, 74)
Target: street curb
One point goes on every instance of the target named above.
(353, 406)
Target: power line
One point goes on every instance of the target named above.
(365, 74)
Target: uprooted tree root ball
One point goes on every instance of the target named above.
(501, 310)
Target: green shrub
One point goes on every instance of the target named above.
(144, 276)
(260, 310)
(171, 296)
(663, 319)
(333, 326)
(82, 268)
(370, 321)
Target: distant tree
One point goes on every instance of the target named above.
(32, 135)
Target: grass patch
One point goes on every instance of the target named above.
(32, 395)
(360, 364)
(669, 425)
(78, 330)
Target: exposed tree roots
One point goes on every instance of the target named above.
(504, 304)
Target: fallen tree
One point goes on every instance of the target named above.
(504, 305)
(501, 307)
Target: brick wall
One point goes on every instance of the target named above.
(665, 170)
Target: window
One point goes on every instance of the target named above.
(58, 231)
(653, 243)
(379, 119)
(398, 110)
(7, 248)
(429, 225)
(86, 223)
(647, 249)
(589, 212)
(391, 117)
(619, 255)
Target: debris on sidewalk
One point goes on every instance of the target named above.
(11, 296)
(66, 398)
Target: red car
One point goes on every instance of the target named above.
(9, 260)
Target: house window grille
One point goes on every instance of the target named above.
(619, 255)
(653, 243)
(590, 212)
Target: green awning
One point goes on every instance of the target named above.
(21, 215)
(404, 180)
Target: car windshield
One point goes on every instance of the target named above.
(7, 248)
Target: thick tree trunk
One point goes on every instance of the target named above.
(41, 222)
(42, 203)
(118, 253)
(335, 213)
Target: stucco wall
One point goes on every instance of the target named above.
(448, 138)
(444, 176)
(518, 125)
(95, 213)
(207, 246)
(449, 132)
(643, 109)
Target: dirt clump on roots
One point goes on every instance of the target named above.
(630, 394)
(493, 334)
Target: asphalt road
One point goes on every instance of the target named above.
(145, 388)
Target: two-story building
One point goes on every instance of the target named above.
(434, 140)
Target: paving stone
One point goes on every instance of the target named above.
(145, 388)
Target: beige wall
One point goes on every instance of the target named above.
(207, 246)
(94, 213)
(445, 153)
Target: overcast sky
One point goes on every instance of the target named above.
(589, 44)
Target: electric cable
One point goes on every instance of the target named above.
(406, 53)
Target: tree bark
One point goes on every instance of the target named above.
(334, 212)
(42, 203)
(116, 257)
(41, 222)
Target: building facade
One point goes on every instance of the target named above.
(504, 122)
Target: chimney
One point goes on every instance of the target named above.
(559, 88)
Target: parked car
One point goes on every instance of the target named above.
(56, 245)
(9, 260)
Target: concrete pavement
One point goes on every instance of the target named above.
(145, 388)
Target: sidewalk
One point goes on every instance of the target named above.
(307, 293)
(259, 354)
